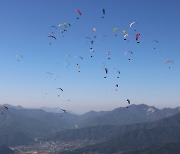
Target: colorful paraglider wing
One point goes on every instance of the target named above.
(124, 32)
(137, 37)
(115, 29)
(108, 52)
(79, 12)
(51, 36)
(169, 61)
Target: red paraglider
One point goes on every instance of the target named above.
(51, 36)
(137, 37)
(78, 11)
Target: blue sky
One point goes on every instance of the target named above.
(146, 78)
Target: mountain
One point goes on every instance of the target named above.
(165, 148)
(15, 138)
(123, 116)
(134, 136)
(33, 123)
(98, 133)
(6, 150)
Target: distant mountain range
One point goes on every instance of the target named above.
(121, 116)
(6, 150)
(148, 138)
(22, 125)
(164, 148)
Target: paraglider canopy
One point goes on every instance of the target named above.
(51, 36)
(104, 12)
(169, 62)
(106, 70)
(108, 52)
(129, 102)
(79, 12)
(94, 30)
(131, 25)
(137, 37)
(60, 89)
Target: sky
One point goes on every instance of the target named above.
(26, 25)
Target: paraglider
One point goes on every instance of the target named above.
(60, 89)
(81, 57)
(169, 62)
(79, 12)
(54, 27)
(108, 53)
(104, 12)
(69, 24)
(94, 31)
(129, 102)
(132, 24)
(125, 35)
(91, 50)
(116, 87)
(137, 37)
(64, 110)
(155, 44)
(156, 41)
(106, 71)
(115, 30)
(51, 36)
(88, 38)
(19, 57)
(78, 66)
(127, 52)
(118, 73)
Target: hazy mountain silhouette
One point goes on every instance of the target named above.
(31, 123)
(6, 150)
(164, 148)
(134, 137)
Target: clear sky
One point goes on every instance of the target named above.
(26, 25)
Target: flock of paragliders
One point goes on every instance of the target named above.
(64, 27)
